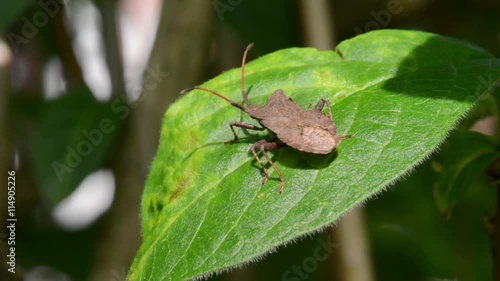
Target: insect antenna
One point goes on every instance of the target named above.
(233, 103)
(243, 61)
(243, 92)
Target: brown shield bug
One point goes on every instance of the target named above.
(305, 130)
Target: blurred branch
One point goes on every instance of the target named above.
(318, 24)
(354, 251)
(72, 70)
(112, 47)
(176, 63)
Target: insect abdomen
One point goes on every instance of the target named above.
(318, 140)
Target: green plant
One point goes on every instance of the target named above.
(399, 93)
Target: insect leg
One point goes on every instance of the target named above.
(321, 104)
(265, 146)
(319, 108)
(241, 125)
(254, 146)
(343, 137)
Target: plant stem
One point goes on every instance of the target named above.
(354, 251)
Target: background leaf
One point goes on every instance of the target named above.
(398, 93)
(10, 11)
(72, 139)
(410, 240)
(472, 154)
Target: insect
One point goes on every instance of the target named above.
(307, 130)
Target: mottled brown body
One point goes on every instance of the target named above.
(305, 130)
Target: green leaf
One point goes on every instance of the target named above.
(11, 10)
(72, 139)
(204, 208)
(466, 157)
